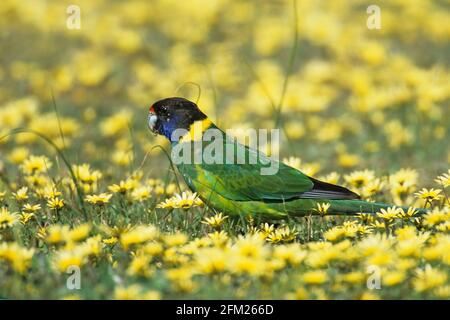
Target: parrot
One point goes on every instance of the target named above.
(239, 188)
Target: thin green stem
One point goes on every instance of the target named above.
(171, 165)
(289, 68)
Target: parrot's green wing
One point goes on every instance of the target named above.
(253, 181)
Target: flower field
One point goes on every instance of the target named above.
(91, 207)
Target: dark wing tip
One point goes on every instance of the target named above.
(324, 190)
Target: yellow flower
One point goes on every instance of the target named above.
(332, 178)
(17, 256)
(34, 165)
(110, 241)
(352, 229)
(291, 254)
(404, 177)
(365, 217)
(37, 182)
(141, 194)
(135, 292)
(405, 264)
(92, 246)
(122, 157)
(138, 235)
(173, 256)
(429, 195)
(26, 217)
(381, 225)
(374, 244)
(170, 189)
(100, 199)
(21, 194)
(127, 293)
(381, 258)
(334, 234)
(435, 217)
(243, 265)
(115, 231)
(55, 204)
(215, 221)
(321, 254)
(409, 213)
(444, 227)
(176, 239)
(184, 201)
(65, 259)
(411, 247)
(444, 179)
(92, 68)
(402, 183)
(18, 155)
(309, 169)
(154, 182)
(28, 208)
(151, 295)
(56, 234)
(219, 239)
(123, 187)
(369, 295)
(315, 277)
(41, 233)
(355, 277)
(181, 278)
(50, 192)
(116, 124)
(374, 187)
(322, 208)
(284, 234)
(442, 292)
(85, 174)
(79, 233)
(373, 52)
(347, 160)
(140, 266)
(251, 246)
(359, 179)
(393, 278)
(299, 294)
(406, 233)
(389, 214)
(211, 260)
(7, 219)
(153, 249)
(397, 134)
(71, 297)
(266, 229)
(429, 278)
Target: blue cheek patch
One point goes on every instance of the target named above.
(169, 127)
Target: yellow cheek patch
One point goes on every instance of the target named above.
(196, 130)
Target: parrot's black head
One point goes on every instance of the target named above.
(169, 114)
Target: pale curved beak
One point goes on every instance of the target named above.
(152, 118)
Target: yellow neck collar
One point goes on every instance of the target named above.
(196, 130)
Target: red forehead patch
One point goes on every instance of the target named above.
(152, 110)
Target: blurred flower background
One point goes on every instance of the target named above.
(368, 108)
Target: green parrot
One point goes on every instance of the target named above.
(228, 176)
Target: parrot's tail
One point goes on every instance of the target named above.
(360, 206)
